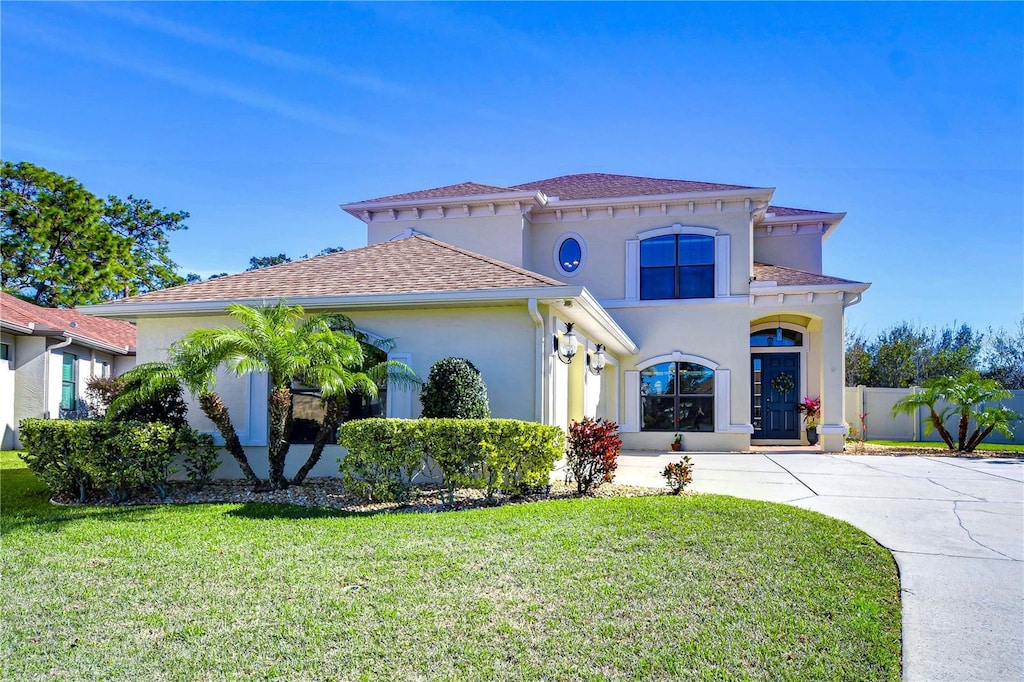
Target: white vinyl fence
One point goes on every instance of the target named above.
(878, 402)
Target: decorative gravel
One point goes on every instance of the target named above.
(328, 492)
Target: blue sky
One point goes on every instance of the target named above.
(260, 119)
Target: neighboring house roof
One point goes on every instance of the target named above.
(607, 185)
(412, 264)
(17, 315)
(793, 277)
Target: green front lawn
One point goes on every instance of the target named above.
(988, 447)
(701, 587)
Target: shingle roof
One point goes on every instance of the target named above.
(464, 189)
(568, 187)
(25, 314)
(786, 211)
(791, 276)
(413, 264)
(606, 185)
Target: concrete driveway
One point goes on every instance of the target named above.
(954, 525)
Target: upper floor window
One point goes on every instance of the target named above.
(570, 253)
(677, 266)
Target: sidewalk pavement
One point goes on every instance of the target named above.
(954, 525)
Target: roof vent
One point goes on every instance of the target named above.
(72, 324)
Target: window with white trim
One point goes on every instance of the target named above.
(570, 254)
(677, 266)
(677, 396)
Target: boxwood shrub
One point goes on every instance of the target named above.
(455, 389)
(385, 455)
(75, 457)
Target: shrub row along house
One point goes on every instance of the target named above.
(47, 356)
(668, 306)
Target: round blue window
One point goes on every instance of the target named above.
(569, 255)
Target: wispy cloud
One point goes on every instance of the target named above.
(65, 43)
(263, 54)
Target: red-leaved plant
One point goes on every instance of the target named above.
(592, 453)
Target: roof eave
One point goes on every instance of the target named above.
(358, 207)
(770, 290)
(830, 219)
(171, 308)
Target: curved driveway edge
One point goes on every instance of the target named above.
(955, 527)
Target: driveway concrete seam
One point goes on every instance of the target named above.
(797, 478)
(942, 460)
(956, 512)
(954, 490)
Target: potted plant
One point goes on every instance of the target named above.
(677, 444)
(810, 408)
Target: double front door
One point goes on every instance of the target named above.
(775, 390)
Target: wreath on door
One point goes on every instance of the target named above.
(783, 383)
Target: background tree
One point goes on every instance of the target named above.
(61, 246)
(908, 355)
(1004, 356)
(258, 262)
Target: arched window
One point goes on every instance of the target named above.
(677, 396)
(776, 337)
(677, 266)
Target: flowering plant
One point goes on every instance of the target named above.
(810, 408)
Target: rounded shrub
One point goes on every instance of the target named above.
(455, 389)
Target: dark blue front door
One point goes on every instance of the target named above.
(775, 387)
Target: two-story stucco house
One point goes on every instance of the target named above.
(695, 308)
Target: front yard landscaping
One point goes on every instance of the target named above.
(930, 449)
(690, 587)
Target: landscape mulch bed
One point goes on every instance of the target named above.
(854, 448)
(328, 492)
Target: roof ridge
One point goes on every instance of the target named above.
(487, 259)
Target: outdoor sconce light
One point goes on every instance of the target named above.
(596, 360)
(567, 345)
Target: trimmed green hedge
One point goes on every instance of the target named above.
(384, 455)
(74, 457)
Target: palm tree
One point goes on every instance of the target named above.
(963, 397)
(375, 365)
(187, 369)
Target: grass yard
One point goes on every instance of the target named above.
(987, 447)
(700, 587)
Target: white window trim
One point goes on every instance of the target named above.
(723, 258)
(722, 393)
(583, 253)
(399, 400)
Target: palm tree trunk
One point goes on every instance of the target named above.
(965, 418)
(977, 437)
(279, 404)
(217, 412)
(941, 428)
(334, 412)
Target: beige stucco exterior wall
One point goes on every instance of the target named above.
(498, 236)
(499, 340)
(800, 251)
(604, 272)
